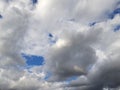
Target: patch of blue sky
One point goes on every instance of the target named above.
(92, 24)
(34, 1)
(71, 78)
(112, 14)
(89, 67)
(1, 16)
(50, 35)
(33, 60)
(51, 38)
(48, 75)
(116, 28)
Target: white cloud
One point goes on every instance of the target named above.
(90, 52)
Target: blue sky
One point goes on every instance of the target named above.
(34, 1)
(33, 60)
(92, 24)
(52, 38)
(0, 16)
(117, 28)
(112, 14)
(50, 35)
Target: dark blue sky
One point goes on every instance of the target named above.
(32, 60)
(112, 14)
(35, 1)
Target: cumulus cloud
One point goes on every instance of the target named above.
(72, 55)
(105, 72)
(76, 38)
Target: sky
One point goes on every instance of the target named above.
(59, 44)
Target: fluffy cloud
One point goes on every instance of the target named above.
(105, 72)
(85, 44)
(73, 55)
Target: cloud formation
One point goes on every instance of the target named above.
(77, 38)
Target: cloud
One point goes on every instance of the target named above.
(76, 39)
(72, 55)
(81, 11)
(105, 72)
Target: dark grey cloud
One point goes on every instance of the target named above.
(75, 57)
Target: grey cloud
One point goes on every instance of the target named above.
(105, 71)
(73, 54)
(77, 10)
(12, 30)
(75, 57)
